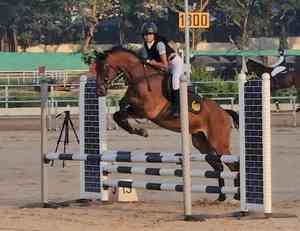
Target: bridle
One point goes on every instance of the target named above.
(107, 66)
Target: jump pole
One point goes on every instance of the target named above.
(184, 120)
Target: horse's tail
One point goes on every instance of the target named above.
(235, 117)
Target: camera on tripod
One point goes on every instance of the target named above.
(67, 124)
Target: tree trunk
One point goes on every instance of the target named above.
(89, 26)
(13, 43)
(87, 41)
(121, 36)
(2, 43)
(244, 30)
(123, 39)
(15, 40)
(8, 41)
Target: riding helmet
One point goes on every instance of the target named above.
(148, 28)
(281, 52)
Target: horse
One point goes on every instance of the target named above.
(146, 98)
(292, 78)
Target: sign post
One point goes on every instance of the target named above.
(188, 20)
(184, 120)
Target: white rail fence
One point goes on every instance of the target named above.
(10, 104)
(32, 77)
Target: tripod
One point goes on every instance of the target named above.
(65, 129)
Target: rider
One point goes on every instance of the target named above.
(158, 53)
(280, 66)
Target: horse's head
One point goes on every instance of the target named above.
(110, 63)
(106, 72)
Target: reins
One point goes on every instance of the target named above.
(137, 79)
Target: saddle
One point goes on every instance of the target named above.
(194, 100)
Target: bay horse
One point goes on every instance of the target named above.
(292, 78)
(145, 98)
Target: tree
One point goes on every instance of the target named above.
(9, 10)
(254, 18)
(90, 12)
(129, 10)
(238, 13)
(42, 21)
(283, 16)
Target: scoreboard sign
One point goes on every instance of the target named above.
(195, 20)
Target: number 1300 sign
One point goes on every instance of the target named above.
(196, 20)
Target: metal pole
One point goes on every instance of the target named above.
(103, 144)
(44, 142)
(6, 97)
(243, 203)
(185, 138)
(83, 80)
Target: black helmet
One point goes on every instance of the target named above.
(149, 27)
(281, 52)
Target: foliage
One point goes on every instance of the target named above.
(250, 18)
(60, 21)
(89, 57)
(200, 74)
(24, 40)
(207, 83)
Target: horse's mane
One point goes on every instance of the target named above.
(117, 49)
(123, 49)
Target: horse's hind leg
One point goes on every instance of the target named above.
(219, 139)
(200, 142)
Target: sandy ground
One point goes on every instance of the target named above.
(20, 189)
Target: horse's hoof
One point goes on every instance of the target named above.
(141, 132)
(222, 197)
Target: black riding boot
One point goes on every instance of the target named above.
(175, 104)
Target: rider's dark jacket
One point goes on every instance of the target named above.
(153, 52)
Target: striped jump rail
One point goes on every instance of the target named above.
(166, 171)
(168, 187)
(141, 157)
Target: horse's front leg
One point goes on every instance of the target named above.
(122, 118)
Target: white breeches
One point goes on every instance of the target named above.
(277, 70)
(176, 69)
